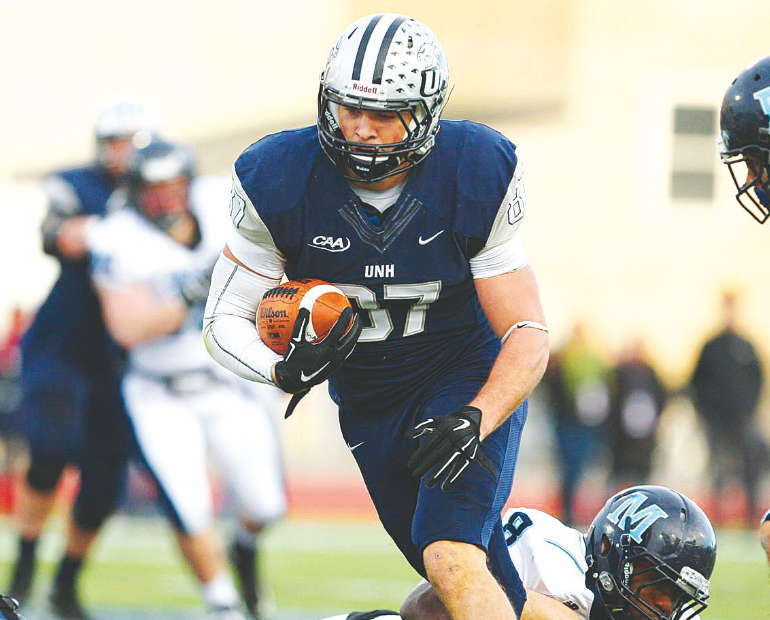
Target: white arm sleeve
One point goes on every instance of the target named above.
(504, 250)
(229, 323)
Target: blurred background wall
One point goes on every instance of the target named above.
(632, 227)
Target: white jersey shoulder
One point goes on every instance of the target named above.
(250, 240)
(504, 250)
(549, 556)
(512, 210)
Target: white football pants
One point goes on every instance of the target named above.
(227, 421)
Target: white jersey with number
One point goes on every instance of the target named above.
(549, 556)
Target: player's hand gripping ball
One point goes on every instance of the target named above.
(280, 307)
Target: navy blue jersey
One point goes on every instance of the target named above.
(410, 278)
(68, 330)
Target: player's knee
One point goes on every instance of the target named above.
(450, 564)
(423, 603)
(44, 473)
(257, 516)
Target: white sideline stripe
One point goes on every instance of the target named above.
(147, 540)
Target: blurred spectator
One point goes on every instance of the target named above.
(726, 387)
(151, 265)
(576, 380)
(638, 398)
(72, 408)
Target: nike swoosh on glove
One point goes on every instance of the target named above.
(308, 363)
(449, 444)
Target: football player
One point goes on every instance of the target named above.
(72, 407)
(648, 555)
(745, 148)
(417, 220)
(151, 263)
(745, 137)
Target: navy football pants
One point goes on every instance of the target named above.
(77, 419)
(415, 515)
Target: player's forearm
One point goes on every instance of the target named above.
(134, 315)
(65, 237)
(515, 373)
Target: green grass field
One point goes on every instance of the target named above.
(315, 569)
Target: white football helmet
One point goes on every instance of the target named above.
(383, 62)
(123, 119)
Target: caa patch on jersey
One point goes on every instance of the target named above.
(280, 306)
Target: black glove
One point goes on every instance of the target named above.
(305, 363)
(194, 286)
(451, 443)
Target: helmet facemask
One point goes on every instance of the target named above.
(630, 592)
(164, 204)
(369, 163)
(754, 195)
(158, 179)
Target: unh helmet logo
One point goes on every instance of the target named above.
(431, 83)
(429, 56)
(630, 517)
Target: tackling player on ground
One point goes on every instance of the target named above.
(417, 221)
(745, 148)
(648, 555)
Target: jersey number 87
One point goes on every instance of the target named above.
(381, 323)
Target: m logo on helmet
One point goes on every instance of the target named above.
(763, 96)
(630, 517)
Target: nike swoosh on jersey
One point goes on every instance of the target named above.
(305, 377)
(351, 448)
(422, 241)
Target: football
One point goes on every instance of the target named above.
(280, 306)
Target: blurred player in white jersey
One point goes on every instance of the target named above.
(151, 262)
(648, 555)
